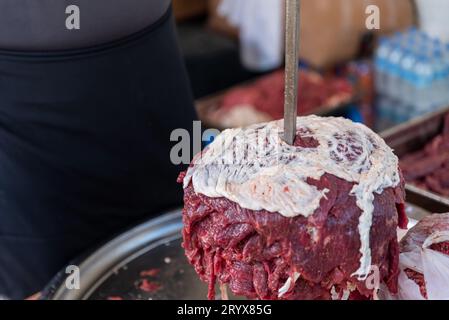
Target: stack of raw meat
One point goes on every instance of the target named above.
(429, 167)
(253, 252)
(265, 255)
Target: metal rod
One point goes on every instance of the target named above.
(292, 13)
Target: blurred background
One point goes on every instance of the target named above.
(381, 75)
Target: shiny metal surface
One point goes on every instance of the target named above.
(291, 69)
(101, 264)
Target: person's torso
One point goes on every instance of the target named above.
(41, 24)
(85, 139)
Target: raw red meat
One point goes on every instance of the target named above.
(256, 252)
(418, 278)
(429, 168)
(416, 237)
(267, 94)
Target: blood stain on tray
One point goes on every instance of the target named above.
(150, 273)
(149, 286)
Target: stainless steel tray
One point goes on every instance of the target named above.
(114, 270)
(112, 258)
(413, 136)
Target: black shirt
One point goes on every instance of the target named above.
(85, 147)
(41, 24)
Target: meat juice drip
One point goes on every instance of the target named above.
(256, 169)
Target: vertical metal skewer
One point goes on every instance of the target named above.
(292, 14)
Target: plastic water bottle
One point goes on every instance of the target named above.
(392, 44)
(412, 75)
(446, 85)
(416, 41)
(440, 78)
(407, 75)
(423, 81)
(380, 63)
(393, 68)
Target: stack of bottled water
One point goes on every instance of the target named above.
(412, 75)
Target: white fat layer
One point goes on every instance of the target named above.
(255, 168)
(334, 294)
(288, 285)
(435, 238)
(346, 295)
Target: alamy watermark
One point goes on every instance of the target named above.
(252, 146)
(72, 282)
(73, 20)
(372, 22)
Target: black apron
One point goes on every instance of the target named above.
(85, 148)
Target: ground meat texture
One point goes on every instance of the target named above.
(429, 168)
(255, 252)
